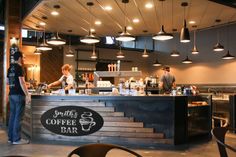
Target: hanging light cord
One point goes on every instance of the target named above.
(44, 34)
(90, 20)
(172, 12)
(69, 42)
(125, 15)
(162, 12)
(194, 38)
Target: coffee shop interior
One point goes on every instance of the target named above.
(118, 51)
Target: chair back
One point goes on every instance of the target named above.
(98, 150)
(219, 135)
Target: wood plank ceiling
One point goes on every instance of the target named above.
(75, 15)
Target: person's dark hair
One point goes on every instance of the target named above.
(17, 55)
(166, 68)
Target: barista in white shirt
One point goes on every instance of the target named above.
(66, 80)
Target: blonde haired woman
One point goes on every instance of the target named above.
(66, 79)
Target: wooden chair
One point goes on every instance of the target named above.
(219, 135)
(98, 150)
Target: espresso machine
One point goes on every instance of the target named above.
(152, 85)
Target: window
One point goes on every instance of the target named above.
(2, 28)
(24, 33)
(110, 40)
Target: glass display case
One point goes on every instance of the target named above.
(199, 115)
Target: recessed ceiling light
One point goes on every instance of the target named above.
(98, 22)
(149, 5)
(42, 23)
(136, 20)
(129, 28)
(54, 13)
(191, 22)
(108, 8)
(92, 30)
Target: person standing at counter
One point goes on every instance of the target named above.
(167, 81)
(18, 97)
(66, 80)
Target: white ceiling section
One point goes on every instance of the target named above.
(75, 15)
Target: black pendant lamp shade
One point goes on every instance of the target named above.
(43, 46)
(187, 61)
(184, 34)
(228, 56)
(218, 47)
(70, 53)
(174, 53)
(56, 40)
(37, 52)
(90, 38)
(93, 56)
(145, 53)
(156, 63)
(162, 35)
(195, 50)
(120, 54)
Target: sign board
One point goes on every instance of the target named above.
(72, 120)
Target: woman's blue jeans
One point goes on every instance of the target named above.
(17, 107)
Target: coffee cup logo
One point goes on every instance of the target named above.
(87, 121)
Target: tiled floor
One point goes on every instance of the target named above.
(200, 149)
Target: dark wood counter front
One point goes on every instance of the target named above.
(134, 120)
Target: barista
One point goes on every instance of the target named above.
(167, 81)
(66, 79)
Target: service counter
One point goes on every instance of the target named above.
(134, 120)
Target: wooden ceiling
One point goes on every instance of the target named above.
(75, 15)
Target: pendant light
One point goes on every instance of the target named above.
(93, 56)
(194, 50)
(43, 46)
(174, 53)
(218, 47)
(162, 35)
(187, 60)
(90, 38)
(70, 53)
(37, 52)
(125, 36)
(120, 54)
(228, 56)
(156, 63)
(184, 34)
(145, 53)
(56, 40)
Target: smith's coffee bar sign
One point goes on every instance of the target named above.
(72, 120)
